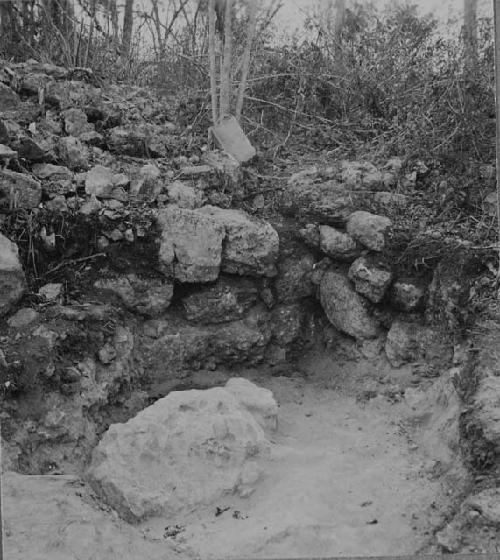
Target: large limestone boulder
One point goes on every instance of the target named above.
(369, 229)
(370, 278)
(12, 280)
(191, 244)
(251, 246)
(187, 449)
(257, 400)
(345, 309)
(226, 300)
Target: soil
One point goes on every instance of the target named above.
(347, 476)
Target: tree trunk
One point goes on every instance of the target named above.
(252, 24)
(225, 86)
(470, 36)
(211, 55)
(128, 22)
(496, 7)
(339, 26)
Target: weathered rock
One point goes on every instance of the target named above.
(76, 123)
(226, 300)
(411, 342)
(338, 245)
(310, 235)
(90, 206)
(361, 175)
(6, 154)
(287, 324)
(257, 400)
(37, 148)
(185, 450)
(191, 244)
(72, 152)
(22, 318)
(345, 309)
(407, 294)
(18, 190)
(128, 142)
(12, 280)
(184, 196)
(328, 202)
(8, 98)
(227, 166)
(99, 182)
(150, 297)
(293, 281)
(51, 292)
(57, 204)
(251, 246)
(48, 171)
(369, 229)
(370, 278)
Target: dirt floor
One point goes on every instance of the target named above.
(349, 475)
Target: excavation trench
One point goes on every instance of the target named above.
(364, 462)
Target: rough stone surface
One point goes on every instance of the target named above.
(411, 342)
(52, 172)
(184, 195)
(370, 278)
(337, 244)
(76, 123)
(329, 202)
(8, 98)
(51, 292)
(251, 246)
(72, 152)
(226, 300)
(369, 229)
(150, 297)
(287, 324)
(185, 450)
(345, 309)
(257, 400)
(18, 190)
(407, 294)
(191, 244)
(12, 280)
(293, 281)
(99, 182)
(22, 318)
(361, 175)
